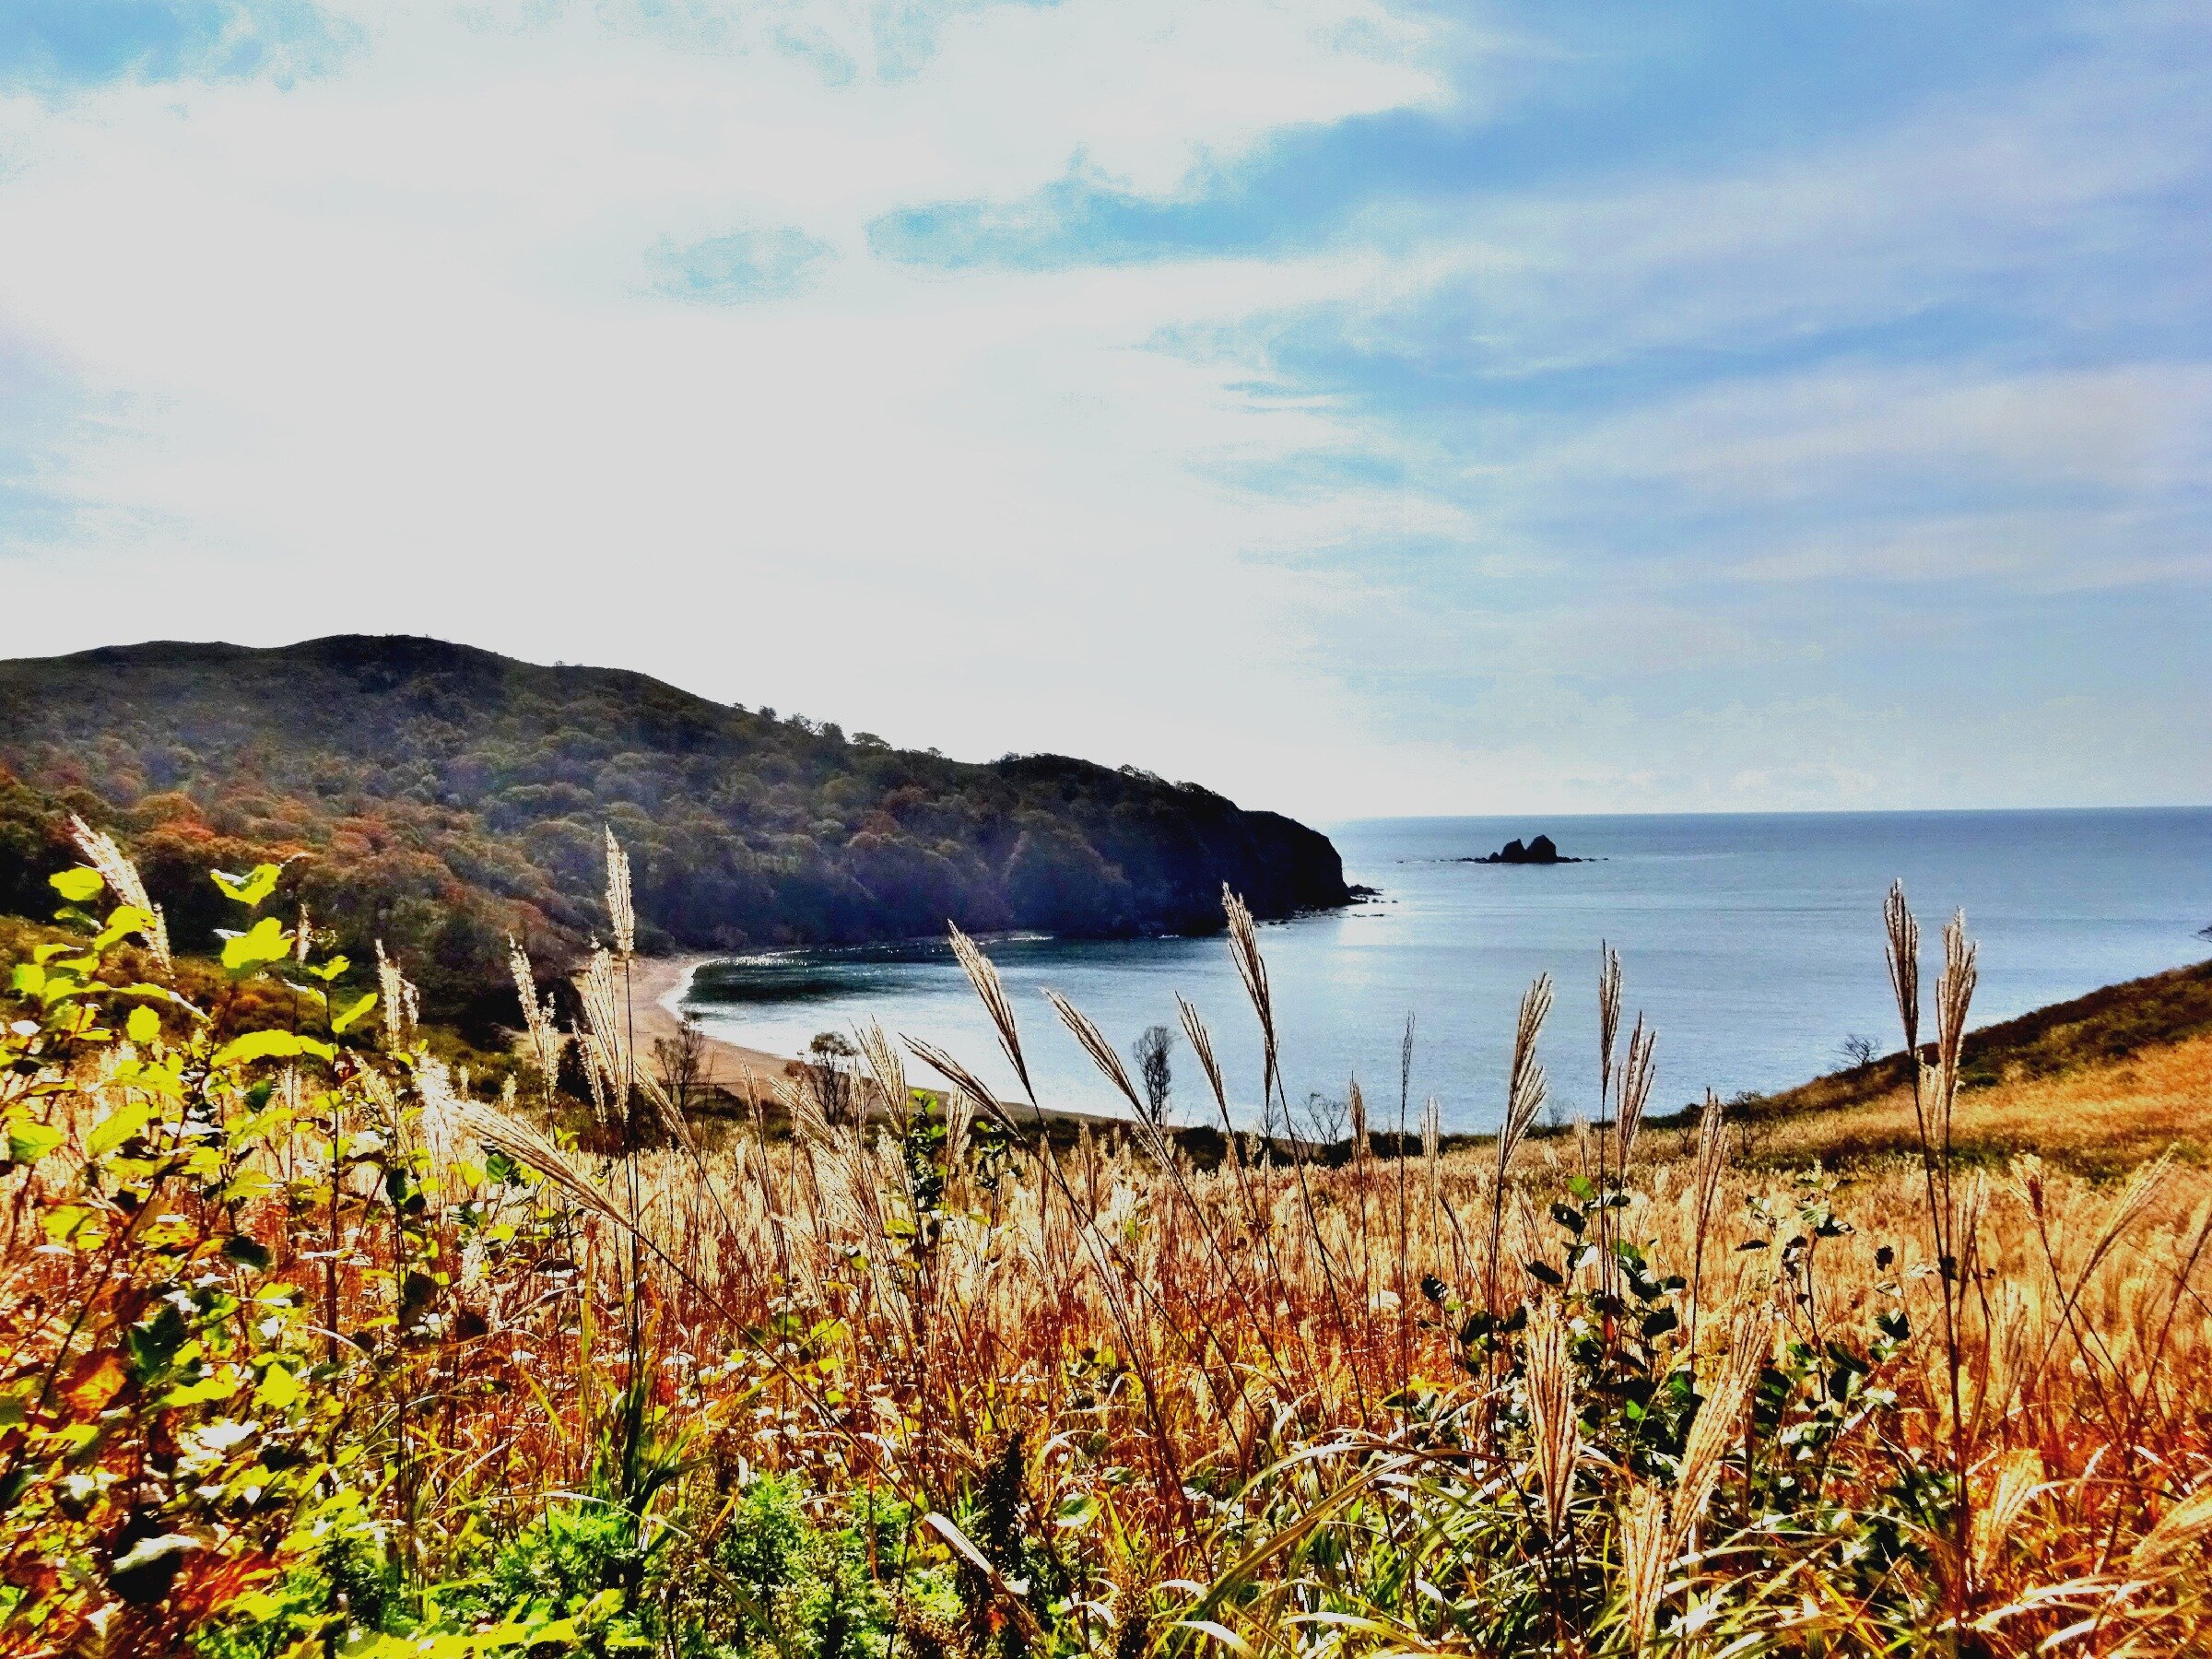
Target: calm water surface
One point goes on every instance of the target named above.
(1752, 942)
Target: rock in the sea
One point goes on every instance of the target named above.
(1543, 850)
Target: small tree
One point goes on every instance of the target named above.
(1858, 1050)
(1150, 1052)
(1327, 1118)
(830, 1061)
(679, 1063)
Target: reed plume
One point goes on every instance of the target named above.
(621, 916)
(1554, 1429)
(1102, 1052)
(2014, 1485)
(400, 1004)
(961, 1078)
(529, 1147)
(1706, 1169)
(1109, 1062)
(1202, 1045)
(1251, 968)
(1526, 1084)
(1644, 1560)
(121, 876)
(887, 1073)
(620, 1084)
(982, 973)
(1432, 1161)
(2175, 1533)
(1609, 1019)
(1637, 1075)
(1525, 1093)
(1954, 998)
(1714, 1431)
(606, 1027)
(1902, 935)
(540, 1034)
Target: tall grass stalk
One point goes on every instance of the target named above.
(907, 1369)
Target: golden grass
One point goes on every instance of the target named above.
(1190, 1325)
(2102, 1116)
(1892, 1400)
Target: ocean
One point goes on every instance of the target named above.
(1752, 942)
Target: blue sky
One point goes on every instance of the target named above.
(1363, 407)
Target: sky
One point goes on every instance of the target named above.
(1361, 407)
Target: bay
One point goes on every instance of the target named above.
(1752, 942)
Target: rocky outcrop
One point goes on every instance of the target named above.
(1543, 850)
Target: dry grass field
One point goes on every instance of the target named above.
(2102, 1116)
(2099, 1083)
(311, 1352)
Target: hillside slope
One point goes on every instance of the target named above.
(440, 796)
(2097, 1083)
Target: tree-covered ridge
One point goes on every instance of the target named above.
(441, 796)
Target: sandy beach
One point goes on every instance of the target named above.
(657, 984)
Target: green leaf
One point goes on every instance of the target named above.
(264, 943)
(1658, 1325)
(329, 971)
(123, 921)
(159, 994)
(354, 1013)
(270, 1045)
(279, 1388)
(29, 1140)
(117, 1127)
(76, 886)
(143, 1026)
(217, 1385)
(247, 1252)
(251, 889)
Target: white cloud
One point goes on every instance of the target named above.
(383, 350)
(383, 361)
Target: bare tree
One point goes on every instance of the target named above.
(1327, 1117)
(832, 1066)
(1150, 1052)
(679, 1063)
(1858, 1048)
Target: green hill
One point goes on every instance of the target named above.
(440, 796)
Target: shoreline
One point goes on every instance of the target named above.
(657, 987)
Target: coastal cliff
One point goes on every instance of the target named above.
(441, 797)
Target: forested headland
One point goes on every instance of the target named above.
(442, 798)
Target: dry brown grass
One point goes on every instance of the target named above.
(2100, 1116)
(1183, 1322)
(1895, 1401)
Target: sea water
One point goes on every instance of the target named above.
(1753, 943)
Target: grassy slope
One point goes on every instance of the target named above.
(2099, 1083)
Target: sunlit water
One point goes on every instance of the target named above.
(1752, 942)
